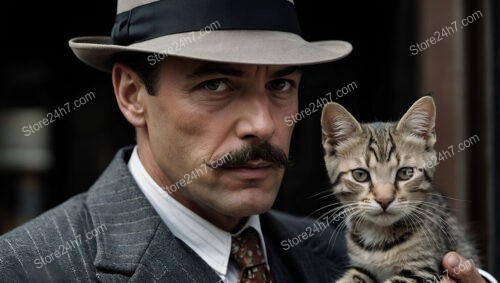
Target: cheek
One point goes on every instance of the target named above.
(411, 196)
(356, 192)
(172, 131)
(189, 125)
(282, 137)
(177, 137)
(407, 191)
(182, 127)
(283, 131)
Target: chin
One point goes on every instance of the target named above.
(247, 210)
(252, 201)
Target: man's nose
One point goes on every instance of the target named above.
(256, 120)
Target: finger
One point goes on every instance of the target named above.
(461, 269)
(448, 280)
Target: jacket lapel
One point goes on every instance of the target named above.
(169, 259)
(135, 243)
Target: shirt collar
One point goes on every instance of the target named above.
(211, 243)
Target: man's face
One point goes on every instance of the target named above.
(204, 112)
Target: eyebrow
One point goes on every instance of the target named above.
(228, 70)
(286, 71)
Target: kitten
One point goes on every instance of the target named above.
(399, 226)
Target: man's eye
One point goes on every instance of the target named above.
(215, 85)
(280, 85)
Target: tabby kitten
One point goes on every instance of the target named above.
(399, 226)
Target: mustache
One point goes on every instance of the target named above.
(250, 152)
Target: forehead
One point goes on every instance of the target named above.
(193, 68)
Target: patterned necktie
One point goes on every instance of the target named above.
(246, 251)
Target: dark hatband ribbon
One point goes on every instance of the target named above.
(176, 16)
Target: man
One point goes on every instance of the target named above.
(206, 85)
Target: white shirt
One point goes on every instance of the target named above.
(211, 243)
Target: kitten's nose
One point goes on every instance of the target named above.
(384, 202)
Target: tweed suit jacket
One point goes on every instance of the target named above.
(111, 233)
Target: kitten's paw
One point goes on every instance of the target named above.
(355, 275)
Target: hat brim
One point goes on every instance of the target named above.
(226, 46)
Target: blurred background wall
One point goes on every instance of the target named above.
(394, 62)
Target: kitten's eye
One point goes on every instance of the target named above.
(360, 175)
(405, 173)
(216, 85)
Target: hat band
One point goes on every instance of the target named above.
(176, 16)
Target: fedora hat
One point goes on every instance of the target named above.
(263, 32)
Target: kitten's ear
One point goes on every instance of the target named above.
(338, 124)
(420, 119)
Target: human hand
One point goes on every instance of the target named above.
(460, 270)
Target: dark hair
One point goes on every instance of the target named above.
(149, 74)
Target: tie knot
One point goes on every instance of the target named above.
(246, 250)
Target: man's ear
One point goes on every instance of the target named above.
(128, 86)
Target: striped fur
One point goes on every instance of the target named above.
(400, 226)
